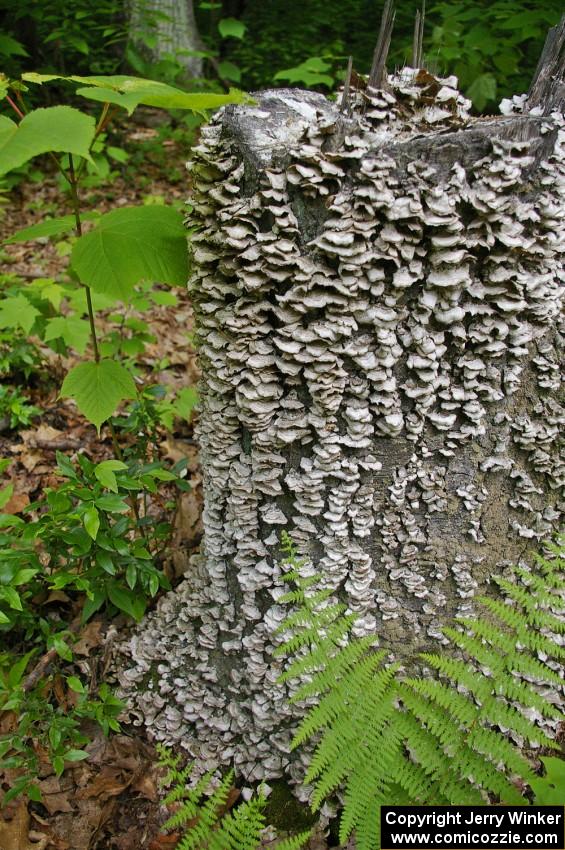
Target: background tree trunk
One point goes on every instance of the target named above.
(170, 26)
(378, 304)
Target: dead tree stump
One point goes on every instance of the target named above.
(378, 298)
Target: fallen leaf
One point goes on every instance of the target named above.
(15, 833)
(108, 783)
(16, 503)
(165, 842)
(90, 637)
(147, 787)
(53, 798)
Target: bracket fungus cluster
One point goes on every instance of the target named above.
(378, 292)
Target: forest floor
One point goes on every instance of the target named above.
(112, 799)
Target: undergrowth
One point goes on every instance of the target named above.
(455, 735)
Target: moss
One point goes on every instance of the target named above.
(285, 812)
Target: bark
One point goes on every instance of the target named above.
(173, 26)
(378, 304)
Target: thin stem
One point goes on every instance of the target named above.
(103, 122)
(73, 180)
(16, 109)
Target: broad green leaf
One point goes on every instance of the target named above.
(92, 605)
(127, 601)
(23, 576)
(91, 520)
(230, 71)
(57, 128)
(6, 495)
(186, 401)
(112, 503)
(62, 649)
(231, 28)
(98, 388)
(104, 472)
(18, 669)
(75, 755)
(55, 735)
(482, 90)
(549, 790)
(164, 299)
(10, 47)
(58, 765)
(129, 102)
(33, 77)
(11, 596)
(129, 245)
(129, 92)
(48, 290)
(75, 684)
(310, 72)
(17, 312)
(73, 331)
(50, 227)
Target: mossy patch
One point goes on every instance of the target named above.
(285, 812)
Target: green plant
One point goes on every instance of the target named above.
(549, 789)
(210, 826)
(19, 357)
(44, 726)
(15, 408)
(492, 47)
(385, 737)
(96, 538)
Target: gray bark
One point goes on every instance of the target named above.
(173, 26)
(378, 304)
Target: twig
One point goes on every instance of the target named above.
(378, 69)
(418, 43)
(345, 105)
(46, 660)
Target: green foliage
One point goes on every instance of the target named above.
(98, 388)
(80, 35)
(549, 789)
(492, 47)
(57, 128)
(203, 808)
(129, 245)
(94, 543)
(43, 724)
(445, 739)
(19, 357)
(311, 72)
(15, 407)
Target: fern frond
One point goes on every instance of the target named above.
(442, 739)
(336, 667)
(530, 605)
(297, 842)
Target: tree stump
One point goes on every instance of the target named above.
(378, 292)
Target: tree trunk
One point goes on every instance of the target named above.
(378, 305)
(170, 27)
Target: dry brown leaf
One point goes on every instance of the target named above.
(110, 782)
(15, 833)
(147, 787)
(176, 450)
(90, 637)
(16, 503)
(165, 842)
(53, 797)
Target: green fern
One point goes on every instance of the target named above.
(384, 738)
(210, 827)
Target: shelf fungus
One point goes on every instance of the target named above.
(378, 294)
